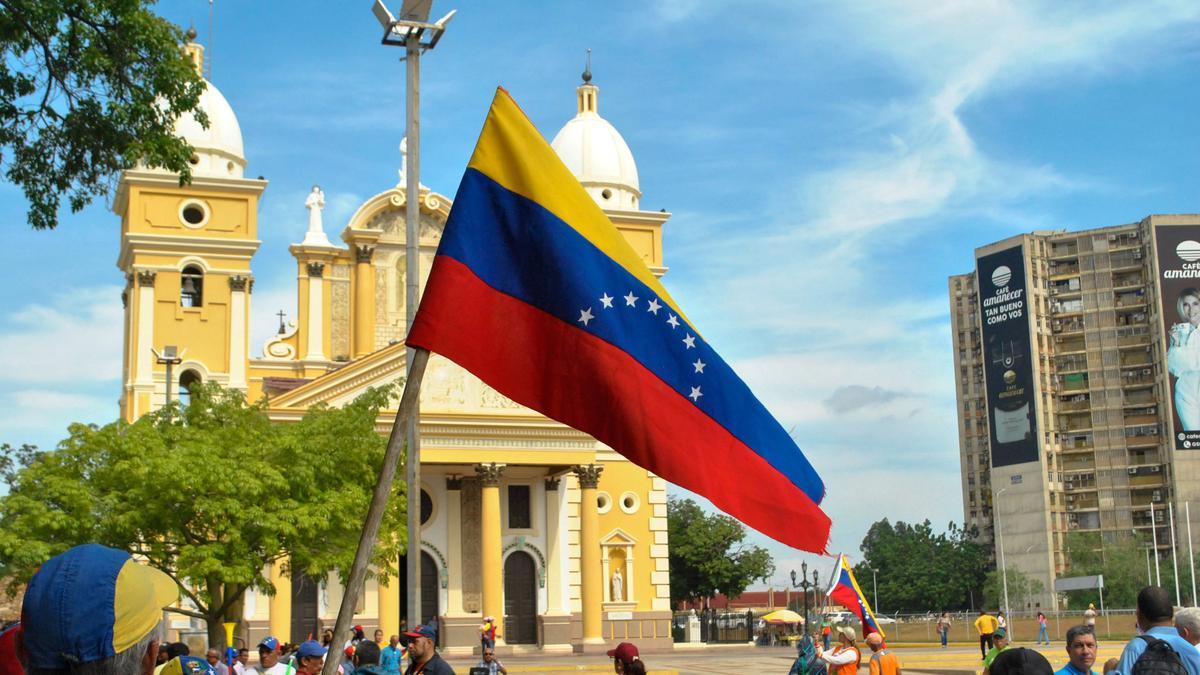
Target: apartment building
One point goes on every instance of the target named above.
(1066, 376)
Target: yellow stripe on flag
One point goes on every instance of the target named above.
(513, 153)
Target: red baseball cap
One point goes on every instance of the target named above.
(626, 652)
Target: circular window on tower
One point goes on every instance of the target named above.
(630, 502)
(603, 502)
(606, 193)
(193, 214)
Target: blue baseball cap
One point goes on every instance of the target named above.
(310, 648)
(270, 643)
(424, 630)
(91, 603)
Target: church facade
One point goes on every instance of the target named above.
(579, 533)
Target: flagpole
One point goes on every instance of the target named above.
(1187, 516)
(1174, 557)
(405, 416)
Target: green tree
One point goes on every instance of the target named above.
(211, 493)
(709, 555)
(1122, 562)
(87, 89)
(1021, 589)
(919, 570)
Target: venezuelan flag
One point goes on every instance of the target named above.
(845, 590)
(536, 292)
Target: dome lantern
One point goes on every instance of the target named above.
(597, 153)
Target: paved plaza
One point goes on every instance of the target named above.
(746, 659)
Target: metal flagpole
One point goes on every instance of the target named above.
(1187, 516)
(1174, 557)
(1154, 534)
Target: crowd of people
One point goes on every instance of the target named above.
(93, 610)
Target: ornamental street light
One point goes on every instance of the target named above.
(804, 584)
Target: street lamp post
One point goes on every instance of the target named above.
(874, 591)
(413, 32)
(1000, 541)
(804, 584)
(170, 357)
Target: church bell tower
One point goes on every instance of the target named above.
(185, 253)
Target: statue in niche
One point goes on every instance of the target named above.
(618, 586)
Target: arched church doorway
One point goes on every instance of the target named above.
(429, 589)
(520, 599)
(306, 619)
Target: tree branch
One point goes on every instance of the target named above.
(186, 612)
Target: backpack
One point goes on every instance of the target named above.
(1160, 658)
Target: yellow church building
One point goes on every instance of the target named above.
(559, 537)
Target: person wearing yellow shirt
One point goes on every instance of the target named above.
(985, 625)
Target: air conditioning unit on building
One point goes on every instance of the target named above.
(1155, 469)
(1156, 496)
(1133, 471)
(1137, 255)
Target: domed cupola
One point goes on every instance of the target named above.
(597, 154)
(218, 149)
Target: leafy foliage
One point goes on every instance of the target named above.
(708, 554)
(1021, 590)
(87, 89)
(210, 493)
(1123, 564)
(919, 570)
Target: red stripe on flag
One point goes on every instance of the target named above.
(571, 375)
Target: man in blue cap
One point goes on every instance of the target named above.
(268, 658)
(309, 658)
(422, 649)
(93, 608)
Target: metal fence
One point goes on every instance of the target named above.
(717, 626)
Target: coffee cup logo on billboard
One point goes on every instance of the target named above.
(1002, 275)
(1188, 250)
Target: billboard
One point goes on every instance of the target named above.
(1178, 249)
(1008, 357)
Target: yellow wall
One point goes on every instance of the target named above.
(618, 479)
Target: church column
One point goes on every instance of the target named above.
(238, 339)
(492, 581)
(364, 301)
(145, 329)
(454, 543)
(554, 595)
(316, 311)
(591, 584)
(389, 605)
(280, 618)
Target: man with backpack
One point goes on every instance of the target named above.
(1160, 649)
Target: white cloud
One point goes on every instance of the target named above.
(73, 337)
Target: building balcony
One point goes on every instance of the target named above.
(1141, 441)
(1063, 251)
(1059, 327)
(1135, 420)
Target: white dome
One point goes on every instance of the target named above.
(598, 156)
(218, 149)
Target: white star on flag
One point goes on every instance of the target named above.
(631, 300)
(606, 300)
(673, 321)
(689, 341)
(585, 316)
(695, 395)
(654, 306)
(699, 366)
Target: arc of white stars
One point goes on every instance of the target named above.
(699, 366)
(671, 319)
(585, 315)
(689, 341)
(695, 395)
(654, 306)
(631, 300)
(606, 301)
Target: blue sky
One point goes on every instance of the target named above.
(828, 165)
